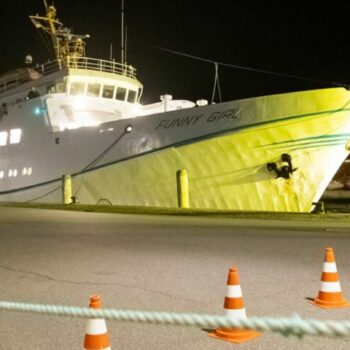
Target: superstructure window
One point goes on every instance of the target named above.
(121, 94)
(131, 96)
(51, 89)
(15, 135)
(61, 87)
(56, 88)
(108, 91)
(3, 138)
(77, 88)
(93, 90)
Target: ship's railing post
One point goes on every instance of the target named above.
(67, 189)
(183, 199)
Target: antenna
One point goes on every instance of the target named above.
(122, 34)
(45, 4)
(126, 43)
(110, 51)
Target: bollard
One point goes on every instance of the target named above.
(319, 208)
(67, 189)
(183, 199)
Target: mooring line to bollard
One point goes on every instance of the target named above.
(286, 326)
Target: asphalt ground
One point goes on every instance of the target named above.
(162, 263)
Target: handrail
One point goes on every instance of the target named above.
(30, 74)
(100, 65)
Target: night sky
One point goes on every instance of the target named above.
(309, 38)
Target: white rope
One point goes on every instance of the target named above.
(287, 326)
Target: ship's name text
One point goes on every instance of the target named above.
(193, 119)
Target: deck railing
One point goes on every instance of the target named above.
(29, 74)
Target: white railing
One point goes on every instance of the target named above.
(24, 75)
(100, 65)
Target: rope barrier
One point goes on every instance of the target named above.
(286, 326)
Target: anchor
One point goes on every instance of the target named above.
(284, 171)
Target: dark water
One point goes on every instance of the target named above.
(337, 205)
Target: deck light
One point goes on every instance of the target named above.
(39, 110)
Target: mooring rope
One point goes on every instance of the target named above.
(286, 326)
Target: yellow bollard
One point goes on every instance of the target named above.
(183, 199)
(67, 189)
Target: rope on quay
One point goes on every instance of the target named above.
(286, 326)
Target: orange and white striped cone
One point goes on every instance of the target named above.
(96, 337)
(330, 295)
(234, 309)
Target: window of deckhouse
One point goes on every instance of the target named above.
(60, 87)
(93, 90)
(131, 96)
(56, 88)
(3, 138)
(121, 94)
(15, 135)
(108, 91)
(77, 88)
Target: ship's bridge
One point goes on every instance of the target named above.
(100, 78)
(88, 91)
(78, 76)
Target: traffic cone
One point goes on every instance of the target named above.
(96, 337)
(330, 295)
(234, 309)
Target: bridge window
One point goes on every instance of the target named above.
(93, 90)
(121, 94)
(56, 88)
(61, 87)
(77, 88)
(131, 96)
(51, 89)
(108, 91)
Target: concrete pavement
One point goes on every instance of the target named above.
(160, 263)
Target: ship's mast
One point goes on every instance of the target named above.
(64, 42)
(122, 33)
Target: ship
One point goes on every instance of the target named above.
(82, 118)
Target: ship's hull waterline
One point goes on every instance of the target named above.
(227, 168)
